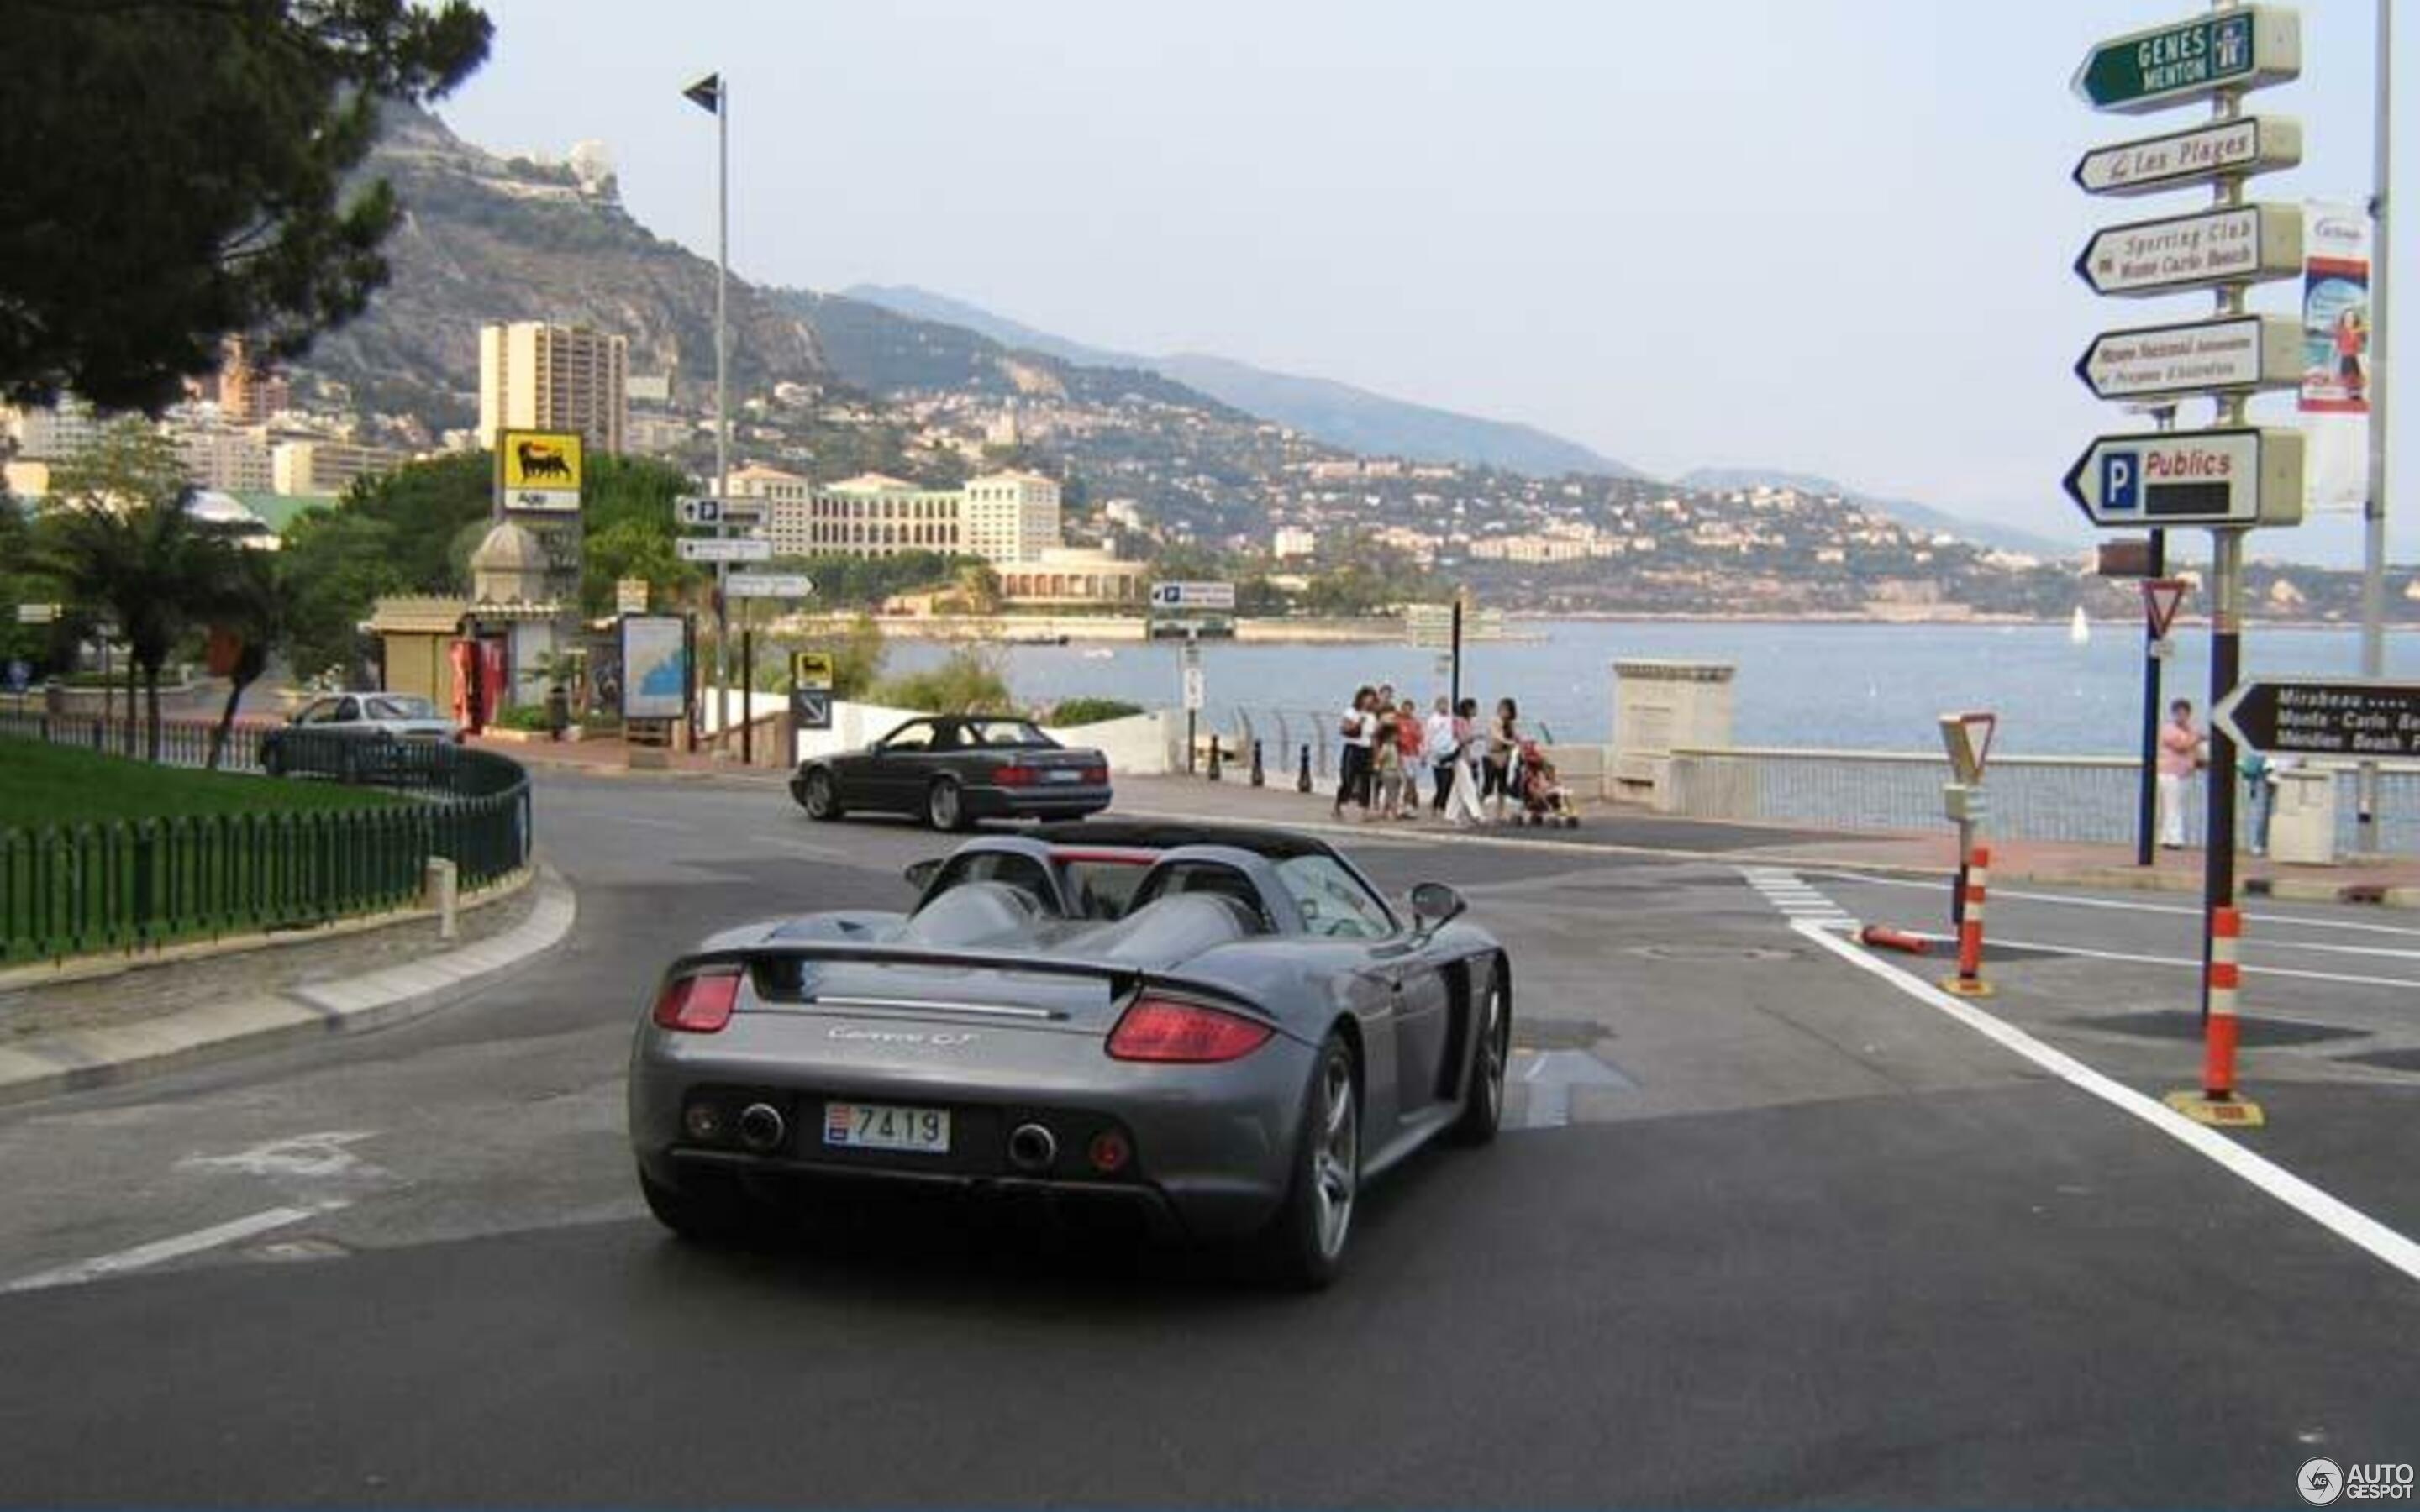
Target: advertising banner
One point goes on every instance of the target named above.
(2335, 354)
(655, 666)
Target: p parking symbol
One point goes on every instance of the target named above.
(2120, 481)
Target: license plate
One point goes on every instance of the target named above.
(1062, 775)
(879, 1126)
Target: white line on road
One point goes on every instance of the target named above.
(232, 1231)
(2124, 906)
(2330, 1212)
(2134, 958)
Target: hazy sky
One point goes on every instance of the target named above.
(1826, 235)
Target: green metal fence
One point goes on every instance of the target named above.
(127, 886)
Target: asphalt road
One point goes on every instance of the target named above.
(1801, 1236)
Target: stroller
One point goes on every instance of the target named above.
(1545, 800)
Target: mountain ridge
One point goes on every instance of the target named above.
(1354, 418)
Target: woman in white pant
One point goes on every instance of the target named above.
(2180, 753)
(1462, 803)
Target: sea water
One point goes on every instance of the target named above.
(1860, 686)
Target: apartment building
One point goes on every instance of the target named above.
(533, 375)
(318, 469)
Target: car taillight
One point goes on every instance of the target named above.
(698, 1004)
(1096, 776)
(1012, 777)
(1168, 1029)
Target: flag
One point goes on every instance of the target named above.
(707, 94)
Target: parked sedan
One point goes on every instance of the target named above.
(952, 770)
(352, 734)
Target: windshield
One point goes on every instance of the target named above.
(1004, 734)
(401, 706)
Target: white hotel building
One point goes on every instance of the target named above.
(1009, 519)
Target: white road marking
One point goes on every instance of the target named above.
(1796, 898)
(232, 1231)
(310, 1157)
(2195, 965)
(2330, 1212)
(2127, 906)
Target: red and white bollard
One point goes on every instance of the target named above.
(1969, 982)
(2217, 1101)
(2218, 1039)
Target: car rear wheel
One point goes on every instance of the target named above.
(819, 796)
(706, 1208)
(1304, 1245)
(1482, 1108)
(945, 806)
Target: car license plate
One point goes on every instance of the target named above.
(1063, 775)
(877, 1126)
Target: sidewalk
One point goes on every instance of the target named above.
(98, 1030)
(2393, 880)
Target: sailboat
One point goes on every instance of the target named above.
(2079, 629)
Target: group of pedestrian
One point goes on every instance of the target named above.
(1386, 743)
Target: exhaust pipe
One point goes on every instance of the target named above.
(761, 1128)
(1032, 1148)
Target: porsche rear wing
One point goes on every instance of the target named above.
(770, 964)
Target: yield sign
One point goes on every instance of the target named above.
(2161, 598)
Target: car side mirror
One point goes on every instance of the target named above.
(1436, 905)
(920, 874)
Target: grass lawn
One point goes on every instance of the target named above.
(61, 785)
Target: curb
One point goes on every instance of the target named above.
(104, 965)
(81, 1060)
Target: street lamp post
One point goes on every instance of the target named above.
(713, 94)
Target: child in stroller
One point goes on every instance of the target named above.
(1545, 800)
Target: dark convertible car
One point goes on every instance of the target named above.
(954, 769)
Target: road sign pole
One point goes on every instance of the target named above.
(2373, 556)
(2220, 783)
(2147, 804)
(747, 683)
(1455, 706)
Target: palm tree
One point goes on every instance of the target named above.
(251, 603)
(122, 539)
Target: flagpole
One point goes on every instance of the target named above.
(2373, 556)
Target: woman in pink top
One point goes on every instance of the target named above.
(2180, 754)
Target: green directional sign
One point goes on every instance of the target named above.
(2240, 49)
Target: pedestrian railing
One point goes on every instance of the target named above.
(2086, 798)
(132, 885)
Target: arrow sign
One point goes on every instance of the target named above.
(2324, 716)
(2237, 354)
(724, 549)
(811, 708)
(2242, 244)
(2233, 477)
(2240, 49)
(769, 585)
(720, 511)
(2231, 149)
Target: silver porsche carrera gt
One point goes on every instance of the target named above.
(1223, 1030)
